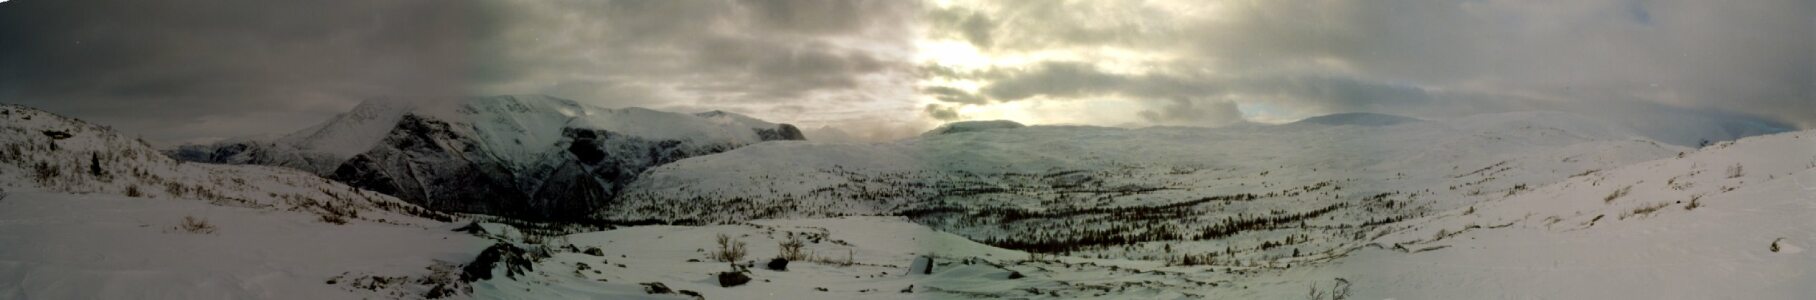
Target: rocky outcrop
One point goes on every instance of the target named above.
(538, 158)
(426, 162)
(255, 153)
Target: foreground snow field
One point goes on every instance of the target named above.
(68, 246)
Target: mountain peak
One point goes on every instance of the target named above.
(1358, 119)
(970, 126)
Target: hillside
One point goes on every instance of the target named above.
(89, 213)
(529, 156)
(1135, 193)
(1728, 221)
(1527, 205)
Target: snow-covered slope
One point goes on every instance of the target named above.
(88, 213)
(539, 157)
(1729, 221)
(1096, 189)
(318, 149)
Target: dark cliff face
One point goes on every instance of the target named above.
(426, 162)
(442, 166)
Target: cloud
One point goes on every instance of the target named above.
(1186, 111)
(201, 69)
(204, 69)
(1068, 79)
(1640, 62)
(942, 113)
(949, 94)
(849, 58)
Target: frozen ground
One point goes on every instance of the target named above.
(90, 214)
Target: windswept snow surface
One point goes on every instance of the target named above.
(1733, 220)
(100, 246)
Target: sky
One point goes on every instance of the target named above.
(201, 70)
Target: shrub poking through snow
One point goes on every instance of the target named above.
(133, 191)
(191, 224)
(729, 250)
(1617, 194)
(1338, 291)
(791, 249)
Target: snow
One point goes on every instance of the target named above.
(94, 246)
(350, 133)
(1429, 155)
(88, 213)
(521, 129)
(1524, 205)
(1507, 248)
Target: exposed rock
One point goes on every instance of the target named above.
(922, 265)
(778, 264)
(516, 261)
(656, 288)
(731, 279)
(57, 135)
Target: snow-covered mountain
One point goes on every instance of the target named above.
(1524, 205)
(1096, 189)
(523, 156)
(318, 149)
(1358, 119)
(89, 213)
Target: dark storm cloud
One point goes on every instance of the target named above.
(197, 69)
(201, 69)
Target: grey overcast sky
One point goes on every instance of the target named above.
(198, 70)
